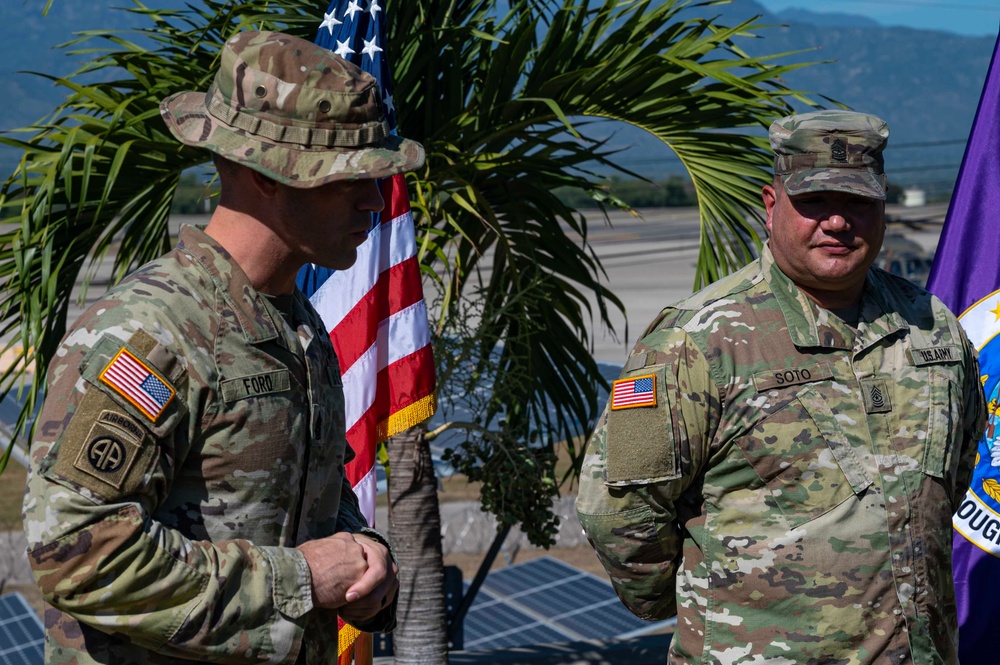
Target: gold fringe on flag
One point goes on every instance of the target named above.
(345, 643)
(407, 417)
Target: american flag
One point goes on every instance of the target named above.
(137, 383)
(637, 391)
(375, 312)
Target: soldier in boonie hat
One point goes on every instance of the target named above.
(203, 393)
(830, 150)
(294, 111)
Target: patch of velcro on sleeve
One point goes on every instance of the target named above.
(642, 443)
(104, 449)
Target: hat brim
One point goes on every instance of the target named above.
(291, 164)
(861, 182)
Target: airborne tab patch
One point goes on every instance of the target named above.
(633, 392)
(141, 386)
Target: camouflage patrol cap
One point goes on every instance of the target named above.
(293, 111)
(832, 150)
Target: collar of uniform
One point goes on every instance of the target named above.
(880, 316)
(808, 324)
(812, 326)
(248, 305)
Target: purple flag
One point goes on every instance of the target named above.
(967, 263)
(966, 276)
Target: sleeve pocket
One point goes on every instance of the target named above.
(643, 443)
(943, 424)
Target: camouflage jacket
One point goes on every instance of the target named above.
(190, 438)
(787, 488)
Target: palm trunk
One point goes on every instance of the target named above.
(421, 636)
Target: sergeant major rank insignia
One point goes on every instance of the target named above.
(838, 151)
(875, 394)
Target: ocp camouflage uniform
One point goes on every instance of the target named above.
(167, 532)
(790, 493)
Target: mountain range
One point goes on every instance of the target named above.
(925, 84)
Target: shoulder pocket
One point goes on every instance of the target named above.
(643, 435)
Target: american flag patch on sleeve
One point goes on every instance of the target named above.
(137, 383)
(633, 392)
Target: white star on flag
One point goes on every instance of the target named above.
(329, 22)
(352, 9)
(371, 48)
(388, 103)
(343, 50)
(374, 8)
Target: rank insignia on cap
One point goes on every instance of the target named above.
(137, 383)
(838, 151)
(637, 391)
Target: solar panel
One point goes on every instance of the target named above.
(21, 633)
(546, 601)
(494, 624)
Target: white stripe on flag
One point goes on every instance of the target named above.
(641, 397)
(360, 386)
(398, 337)
(407, 332)
(366, 490)
(130, 376)
(387, 245)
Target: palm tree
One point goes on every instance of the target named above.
(506, 97)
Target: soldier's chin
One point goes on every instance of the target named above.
(341, 262)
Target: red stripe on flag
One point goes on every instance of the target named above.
(397, 288)
(412, 379)
(396, 197)
(400, 384)
(363, 443)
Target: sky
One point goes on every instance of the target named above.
(966, 17)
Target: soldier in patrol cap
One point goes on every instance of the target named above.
(186, 498)
(781, 457)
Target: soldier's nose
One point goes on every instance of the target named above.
(836, 222)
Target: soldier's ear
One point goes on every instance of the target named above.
(265, 186)
(770, 197)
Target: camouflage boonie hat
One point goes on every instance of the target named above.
(294, 111)
(838, 151)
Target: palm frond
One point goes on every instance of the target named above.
(508, 99)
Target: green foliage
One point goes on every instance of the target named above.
(193, 195)
(496, 446)
(103, 168)
(502, 95)
(503, 103)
